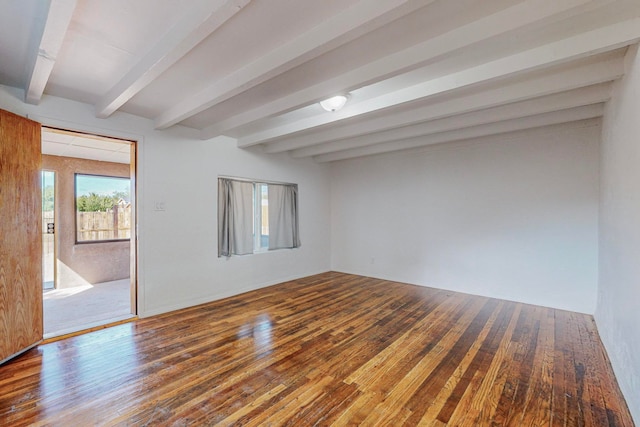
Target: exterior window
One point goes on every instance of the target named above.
(103, 208)
(255, 216)
(261, 215)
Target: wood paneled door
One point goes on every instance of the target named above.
(20, 231)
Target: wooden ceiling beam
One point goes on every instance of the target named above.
(529, 13)
(199, 21)
(44, 53)
(557, 117)
(359, 19)
(569, 78)
(572, 48)
(561, 101)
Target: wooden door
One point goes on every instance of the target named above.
(20, 234)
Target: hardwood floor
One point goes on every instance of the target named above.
(331, 349)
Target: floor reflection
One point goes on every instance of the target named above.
(260, 329)
(75, 368)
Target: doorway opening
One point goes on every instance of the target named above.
(89, 242)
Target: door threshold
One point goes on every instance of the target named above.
(85, 329)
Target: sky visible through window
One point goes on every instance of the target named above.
(104, 186)
(47, 179)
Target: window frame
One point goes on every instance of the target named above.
(75, 208)
(256, 184)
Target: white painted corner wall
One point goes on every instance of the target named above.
(513, 217)
(178, 264)
(618, 311)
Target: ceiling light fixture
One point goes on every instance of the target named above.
(334, 103)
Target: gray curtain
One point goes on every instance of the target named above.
(283, 216)
(235, 217)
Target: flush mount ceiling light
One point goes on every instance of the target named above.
(334, 103)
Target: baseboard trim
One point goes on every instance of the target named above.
(221, 295)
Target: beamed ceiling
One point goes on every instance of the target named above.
(418, 72)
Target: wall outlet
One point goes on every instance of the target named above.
(158, 206)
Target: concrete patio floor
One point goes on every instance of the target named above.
(81, 307)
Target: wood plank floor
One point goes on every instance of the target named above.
(331, 349)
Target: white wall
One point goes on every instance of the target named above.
(512, 217)
(618, 311)
(178, 263)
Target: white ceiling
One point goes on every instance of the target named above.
(419, 71)
(83, 146)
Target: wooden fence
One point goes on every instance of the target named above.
(111, 225)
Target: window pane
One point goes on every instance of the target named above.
(264, 214)
(48, 228)
(261, 217)
(103, 208)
